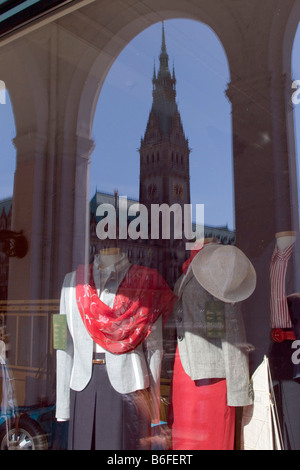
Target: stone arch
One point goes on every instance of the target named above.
(99, 68)
(27, 91)
(101, 34)
(94, 64)
(289, 32)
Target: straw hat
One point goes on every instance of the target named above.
(225, 272)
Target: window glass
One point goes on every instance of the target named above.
(149, 229)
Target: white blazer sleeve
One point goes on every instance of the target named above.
(64, 359)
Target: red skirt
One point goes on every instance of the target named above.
(201, 418)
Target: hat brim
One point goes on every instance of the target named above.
(202, 273)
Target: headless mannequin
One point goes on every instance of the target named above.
(279, 310)
(108, 409)
(199, 415)
(108, 257)
(285, 387)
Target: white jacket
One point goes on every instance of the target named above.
(128, 372)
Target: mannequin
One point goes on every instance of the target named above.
(280, 317)
(107, 381)
(211, 375)
(108, 257)
(283, 371)
(284, 245)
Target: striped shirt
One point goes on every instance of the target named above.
(280, 317)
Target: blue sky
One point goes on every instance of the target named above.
(125, 101)
(122, 112)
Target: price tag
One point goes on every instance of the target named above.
(59, 331)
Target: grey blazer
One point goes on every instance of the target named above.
(128, 372)
(208, 357)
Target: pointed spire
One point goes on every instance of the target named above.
(163, 58)
(163, 42)
(163, 78)
(154, 72)
(164, 92)
(173, 74)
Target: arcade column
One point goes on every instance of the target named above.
(262, 179)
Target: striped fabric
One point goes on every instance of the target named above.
(280, 317)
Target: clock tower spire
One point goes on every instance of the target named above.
(164, 150)
(164, 158)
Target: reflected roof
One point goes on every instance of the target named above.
(17, 13)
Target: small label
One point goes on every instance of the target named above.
(215, 319)
(59, 331)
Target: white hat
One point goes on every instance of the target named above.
(225, 272)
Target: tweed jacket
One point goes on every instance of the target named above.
(208, 357)
(128, 372)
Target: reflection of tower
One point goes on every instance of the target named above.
(164, 160)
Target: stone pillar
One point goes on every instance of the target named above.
(50, 206)
(28, 215)
(263, 197)
(52, 211)
(253, 163)
(71, 219)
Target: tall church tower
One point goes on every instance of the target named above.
(164, 158)
(164, 150)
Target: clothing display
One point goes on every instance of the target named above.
(124, 372)
(211, 367)
(141, 298)
(202, 419)
(280, 317)
(128, 413)
(284, 314)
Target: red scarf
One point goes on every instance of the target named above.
(142, 297)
